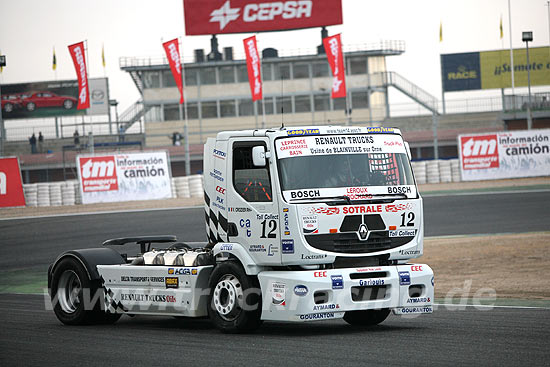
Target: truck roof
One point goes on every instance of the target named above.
(309, 130)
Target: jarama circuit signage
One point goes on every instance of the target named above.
(492, 69)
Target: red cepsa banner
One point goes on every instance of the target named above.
(333, 49)
(243, 16)
(253, 65)
(11, 186)
(79, 61)
(173, 54)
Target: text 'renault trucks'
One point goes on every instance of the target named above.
(303, 224)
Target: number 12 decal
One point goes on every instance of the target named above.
(272, 226)
(409, 217)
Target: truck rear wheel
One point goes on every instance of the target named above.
(366, 317)
(76, 299)
(235, 299)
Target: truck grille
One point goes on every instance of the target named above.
(370, 293)
(349, 243)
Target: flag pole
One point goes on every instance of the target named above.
(348, 90)
(511, 52)
(443, 107)
(186, 121)
(87, 63)
(263, 98)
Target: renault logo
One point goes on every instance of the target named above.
(363, 232)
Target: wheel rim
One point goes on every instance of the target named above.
(228, 295)
(68, 104)
(68, 291)
(8, 108)
(30, 107)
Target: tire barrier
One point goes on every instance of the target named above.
(436, 171)
(68, 192)
(419, 169)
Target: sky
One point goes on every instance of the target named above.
(31, 29)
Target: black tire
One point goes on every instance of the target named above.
(31, 106)
(366, 317)
(75, 298)
(68, 104)
(8, 107)
(235, 302)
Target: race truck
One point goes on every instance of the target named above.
(303, 224)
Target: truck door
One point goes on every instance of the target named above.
(252, 207)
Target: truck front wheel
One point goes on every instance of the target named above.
(366, 317)
(235, 299)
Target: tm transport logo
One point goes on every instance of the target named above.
(98, 173)
(479, 152)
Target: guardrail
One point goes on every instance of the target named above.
(383, 46)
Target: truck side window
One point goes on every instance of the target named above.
(252, 183)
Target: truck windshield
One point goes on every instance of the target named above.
(344, 161)
(345, 170)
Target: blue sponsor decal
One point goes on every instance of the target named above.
(379, 129)
(300, 290)
(182, 271)
(404, 278)
(302, 132)
(432, 281)
(337, 281)
(288, 246)
(219, 154)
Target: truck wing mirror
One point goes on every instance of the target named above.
(258, 156)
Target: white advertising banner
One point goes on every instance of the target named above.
(124, 177)
(509, 154)
(99, 97)
(339, 144)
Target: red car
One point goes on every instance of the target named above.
(11, 102)
(48, 99)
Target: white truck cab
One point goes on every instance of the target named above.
(326, 216)
(303, 224)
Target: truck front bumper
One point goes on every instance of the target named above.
(327, 294)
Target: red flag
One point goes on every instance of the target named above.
(253, 65)
(173, 54)
(77, 54)
(333, 49)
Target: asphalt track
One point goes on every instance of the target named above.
(35, 242)
(502, 336)
(499, 337)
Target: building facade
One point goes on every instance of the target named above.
(296, 91)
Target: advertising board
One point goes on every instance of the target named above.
(203, 17)
(11, 185)
(124, 177)
(492, 69)
(509, 154)
(52, 99)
